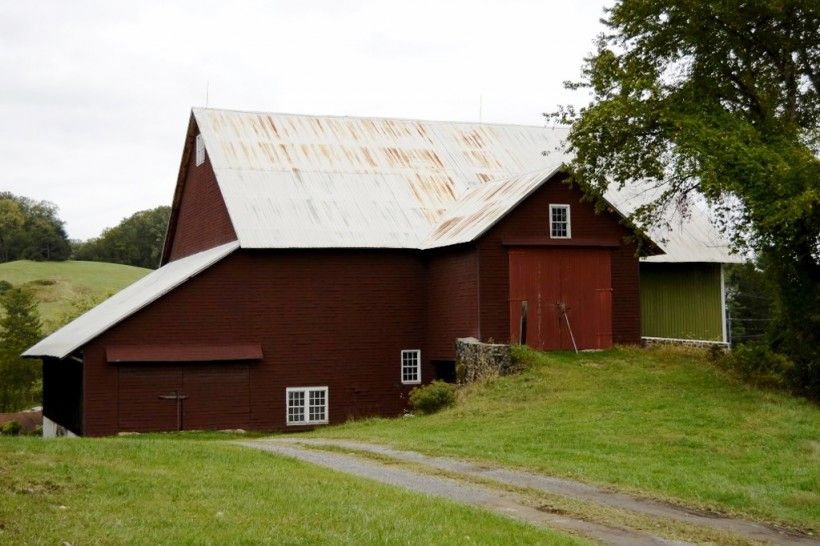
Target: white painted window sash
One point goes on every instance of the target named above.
(567, 223)
(305, 406)
(411, 363)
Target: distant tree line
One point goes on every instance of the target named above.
(31, 230)
(137, 240)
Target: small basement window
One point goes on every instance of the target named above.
(411, 367)
(560, 222)
(307, 405)
(200, 150)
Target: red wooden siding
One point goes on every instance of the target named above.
(452, 300)
(146, 396)
(528, 224)
(568, 296)
(336, 318)
(341, 317)
(201, 221)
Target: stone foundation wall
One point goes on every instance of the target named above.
(476, 360)
(649, 341)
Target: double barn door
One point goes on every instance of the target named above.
(561, 298)
(162, 397)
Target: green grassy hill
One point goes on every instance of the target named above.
(664, 423)
(61, 287)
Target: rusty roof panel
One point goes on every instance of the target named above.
(297, 181)
(308, 181)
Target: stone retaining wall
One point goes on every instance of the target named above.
(476, 360)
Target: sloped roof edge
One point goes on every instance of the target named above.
(126, 302)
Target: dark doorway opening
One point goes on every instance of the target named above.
(444, 370)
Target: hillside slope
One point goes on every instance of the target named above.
(62, 286)
(663, 422)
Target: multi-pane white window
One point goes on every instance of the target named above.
(411, 367)
(307, 405)
(559, 222)
(200, 150)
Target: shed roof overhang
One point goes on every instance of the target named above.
(126, 302)
(183, 353)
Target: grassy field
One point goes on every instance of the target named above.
(60, 285)
(191, 489)
(660, 422)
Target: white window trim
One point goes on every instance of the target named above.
(306, 391)
(417, 381)
(199, 145)
(554, 206)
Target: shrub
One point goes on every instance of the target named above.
(5, 286)
(433, 397)
(757, 364)
(38, 431)
(11, 428)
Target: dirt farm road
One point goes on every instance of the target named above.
(525, 496)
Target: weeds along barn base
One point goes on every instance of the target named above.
(316, 269)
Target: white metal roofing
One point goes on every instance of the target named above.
(298, 181)
(690, 236)
(126, 302)
(308, 181)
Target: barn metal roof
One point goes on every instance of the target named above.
(299, 181)
(321, 181)
(128, 301)
(687, 237)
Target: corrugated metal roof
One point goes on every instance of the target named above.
(298, 181)
(689, 236)
(75, 334)
(482, 206)
(310, 181)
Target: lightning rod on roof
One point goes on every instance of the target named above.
(480, 107)
(207, 89)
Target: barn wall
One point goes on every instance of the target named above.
(452, 300)
(626, 295)
(529, 223)
(334, 318)
(681, 301)
(202, 221)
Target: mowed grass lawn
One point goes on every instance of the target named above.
(185, 490)
(660, 422)
(58, 285)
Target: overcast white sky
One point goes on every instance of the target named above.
(95, 96)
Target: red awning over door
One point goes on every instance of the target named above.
(560, 293)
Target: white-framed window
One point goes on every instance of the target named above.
(200, 150)
(411, 367)
(307, 405)
(560, 227)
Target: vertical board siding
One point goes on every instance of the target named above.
(335, 318)
(578, 278)
(531, 219)
(202, 221)
(452, 300)
(681, 301)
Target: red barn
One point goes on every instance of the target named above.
(315, 269)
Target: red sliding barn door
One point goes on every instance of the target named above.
(560, 294)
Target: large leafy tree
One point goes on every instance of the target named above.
(137, 240)
(718, 100)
